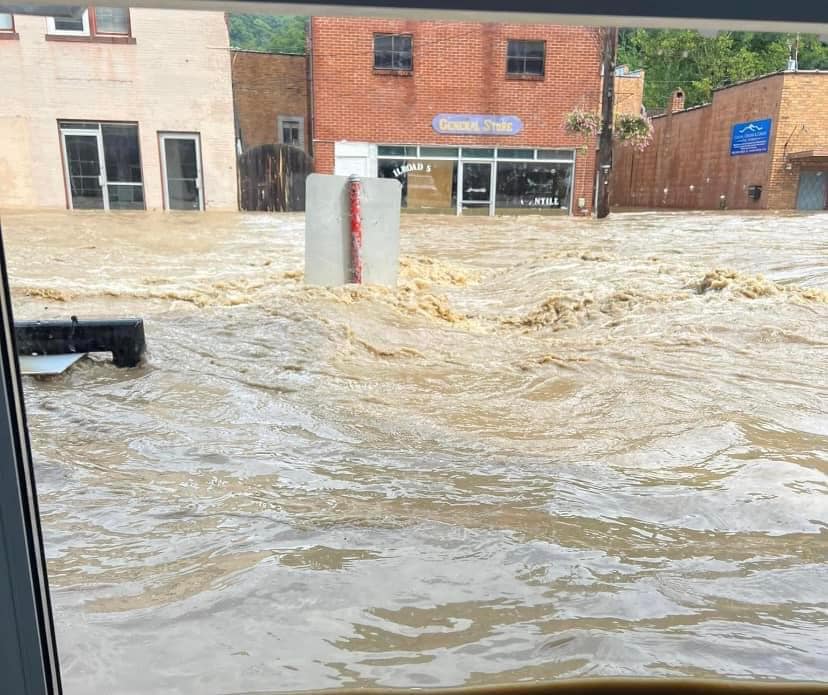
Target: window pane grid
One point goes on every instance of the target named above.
(392, 52)
(525, 57)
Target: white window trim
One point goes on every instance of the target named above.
(280, 122)
(50, 26)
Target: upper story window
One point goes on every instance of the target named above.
(94, 21)
(525, 58)
(6, 22)
(393, 52)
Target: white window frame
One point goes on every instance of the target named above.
(280, 121)
(50, 26)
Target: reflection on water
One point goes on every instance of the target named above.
(560, 448)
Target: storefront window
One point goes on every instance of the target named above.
(532, 187)
(556, 154)
(515, 154)
(427, 185)
(478, 153)
(522, 185)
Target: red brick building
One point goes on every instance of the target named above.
(468, 116)
(270, 98)
(760, 144)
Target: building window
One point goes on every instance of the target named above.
(512, 181)
(112, 20)
(104, 22)
(525, 58)
(102, 165)
(393, 52)
(292, 131)
(6, 22)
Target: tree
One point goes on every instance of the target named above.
(275, 34)
(685, 59)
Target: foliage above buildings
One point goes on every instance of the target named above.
(276, 34)
(697, 64)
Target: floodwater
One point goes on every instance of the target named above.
(560, 448)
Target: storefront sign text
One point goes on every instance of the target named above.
(462, 124)
(411, 166)
(750, 138)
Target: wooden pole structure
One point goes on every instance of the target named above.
(609, 45)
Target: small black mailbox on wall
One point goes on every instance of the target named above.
(754, 192)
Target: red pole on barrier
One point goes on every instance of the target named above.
(355, 186)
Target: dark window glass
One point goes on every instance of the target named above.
(477, 182)
(290, 133)
(397, 151)
(438, 151)
(473, 153)
(125, 197)
(122, 153)
(69, 23)
(84, 169)
(569, 155)
(525, 57)
(393, 52)
(533, 186)
(111, 20)
(515, 154)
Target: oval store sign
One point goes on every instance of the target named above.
(463, 124)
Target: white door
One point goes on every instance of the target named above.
(85, 178)
(181, 170)
(355, 158)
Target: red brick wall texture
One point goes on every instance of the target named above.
(689, 166)
(459, 67)
(266, 86)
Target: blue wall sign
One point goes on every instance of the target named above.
(751, 137)
(463, 124)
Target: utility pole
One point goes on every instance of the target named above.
(609, 46)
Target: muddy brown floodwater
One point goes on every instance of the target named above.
(559, 449)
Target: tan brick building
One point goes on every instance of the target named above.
(628, 88)
(468, 116)
(117, 109)
(718, 155)
(271, 98)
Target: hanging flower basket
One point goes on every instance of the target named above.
(634, 131)
(587, 124)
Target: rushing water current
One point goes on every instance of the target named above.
(559, 448)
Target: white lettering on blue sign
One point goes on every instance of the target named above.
(752, 137)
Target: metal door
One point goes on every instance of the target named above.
(813, 191)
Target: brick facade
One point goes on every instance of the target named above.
(265, 87)
(628, 88)
(689, 165)
(802, 127)
(174, 77)
(458, 67)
